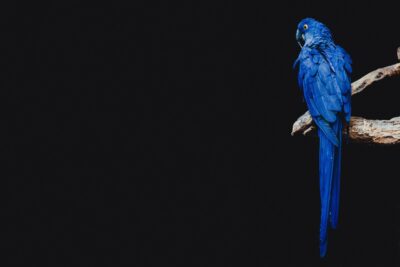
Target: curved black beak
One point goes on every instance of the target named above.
(300, 38)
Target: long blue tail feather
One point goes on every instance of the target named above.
(334, 207)
(329, 171)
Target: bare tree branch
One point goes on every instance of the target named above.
(363, 130)
(376, 75)
(385, 132)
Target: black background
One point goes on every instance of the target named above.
(159, 135)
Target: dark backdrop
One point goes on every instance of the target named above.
(159, 135)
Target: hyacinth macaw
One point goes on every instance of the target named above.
(324, 78)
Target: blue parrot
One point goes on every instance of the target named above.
(324, 78)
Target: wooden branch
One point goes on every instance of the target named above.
(384, 132)
(363, 130)
(376, 75)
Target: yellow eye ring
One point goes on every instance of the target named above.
(305, 26)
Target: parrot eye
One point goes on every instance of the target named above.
(305, 26)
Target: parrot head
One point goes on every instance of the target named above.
(311, 32)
